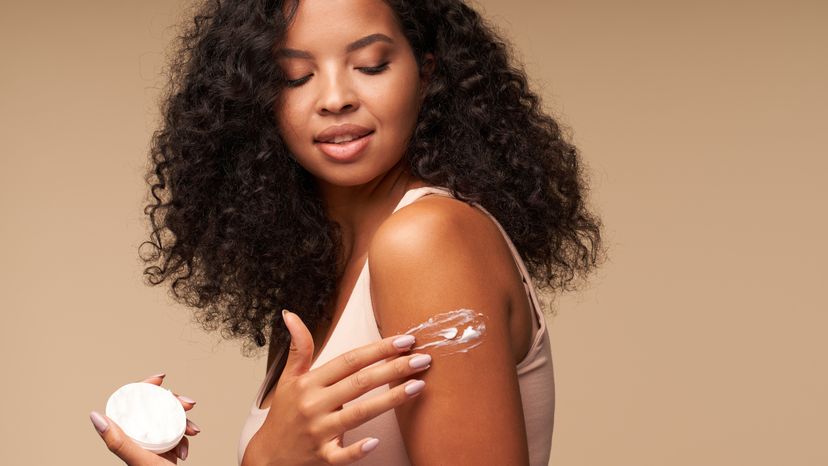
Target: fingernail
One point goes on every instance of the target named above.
(421, 360)
(404, 342)
(414, 387)
(183, 450)
(284, 312)
(162, 375)
(193, 425)
(99, 422)
(370, 444)
(187, 399)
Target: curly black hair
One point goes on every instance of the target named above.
(236, 224)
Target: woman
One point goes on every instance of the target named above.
(304, 141)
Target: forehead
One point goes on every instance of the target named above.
(332, 22)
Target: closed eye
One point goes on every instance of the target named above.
(297, 82)
(369, 70)
(374, 69)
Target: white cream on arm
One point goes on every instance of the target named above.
(442, 330)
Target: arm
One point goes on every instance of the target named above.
(436, 256)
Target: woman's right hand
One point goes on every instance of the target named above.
(306, 420)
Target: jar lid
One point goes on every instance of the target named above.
(150, 415)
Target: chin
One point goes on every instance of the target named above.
(344, 179)
(356, 173)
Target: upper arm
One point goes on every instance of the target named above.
(433, 258)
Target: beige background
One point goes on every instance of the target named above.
(702, 341)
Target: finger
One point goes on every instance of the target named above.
(353, 386)
(155, 379)
(177, 452)
(354, 360)
(186, 401)
(172, 455)
(300, 357)
(334, 453)
(357, 414)
(183, 448)
(192, 428)
(402, 350)
(119, 443)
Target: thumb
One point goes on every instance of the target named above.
(300, 357)
(119, 443)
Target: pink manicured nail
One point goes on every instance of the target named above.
(193, 425)
(414, 387)
(183, 451)
(370, 445)
(404, 341)
(99, 422)
(162, 375)
(187, 399)
(419, 361)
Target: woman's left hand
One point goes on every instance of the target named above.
(130, 452)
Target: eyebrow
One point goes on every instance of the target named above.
(356, 45)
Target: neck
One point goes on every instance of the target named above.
(359, 210)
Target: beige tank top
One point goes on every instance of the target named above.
(357, 327)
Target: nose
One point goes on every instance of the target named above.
(337, 95)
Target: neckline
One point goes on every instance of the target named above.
(261, 395)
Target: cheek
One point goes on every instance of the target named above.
(288, 119)
(398, 101)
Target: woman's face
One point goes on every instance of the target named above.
(347, 63)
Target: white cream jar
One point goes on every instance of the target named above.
(150, 415)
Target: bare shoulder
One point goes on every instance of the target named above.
(440, 223)
(446, 244)
(445, 238)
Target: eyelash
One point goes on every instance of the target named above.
(369, 70)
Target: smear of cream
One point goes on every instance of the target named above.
(442, 330)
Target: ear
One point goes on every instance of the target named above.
(426, 71)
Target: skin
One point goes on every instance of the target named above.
(478, 274)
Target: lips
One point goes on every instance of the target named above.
(346, 152)
(342, 133)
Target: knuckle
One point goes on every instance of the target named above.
(399, 394)
(351, 417)
(388, 349)
(315, 431)
(321, 455)
(401, 367)
(360, 380)
(305, 408)
(302, 383)
(343, 419)
(114, 443)
(355, 454)
(351, 360)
